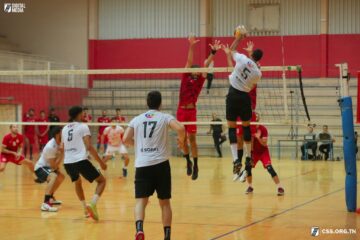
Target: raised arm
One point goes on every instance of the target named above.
(190, 58)
(240, 34)
(228, 53)
(249, 48)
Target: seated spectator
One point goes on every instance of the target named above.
(326, 142)
(309, 143)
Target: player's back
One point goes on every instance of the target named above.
(49, 151)
(72, 137)
(246, 73)
(151, 137)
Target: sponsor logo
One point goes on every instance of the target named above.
(315, 231)
(14, 7)
(149, 115)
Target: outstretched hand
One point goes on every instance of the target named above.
(249, 47)
(216, 46)
(226, 48)
(193, 40)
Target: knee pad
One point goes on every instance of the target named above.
(246, 133)
(249, 171)
(232, 135)
(271, 170)
(248, 163)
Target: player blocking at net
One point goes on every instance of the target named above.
(76, 140)
(148, 132)
(243, 79)
(190, 88)
(115, 144)
(47, 170)
(11, 150)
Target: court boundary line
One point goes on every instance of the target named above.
(277, 214)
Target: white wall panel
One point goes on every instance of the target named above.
(344, 16)
(296, 16)
(126, 19)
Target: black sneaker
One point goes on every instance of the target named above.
(236, 169)
(249, 190)
(189, 168)
(195, 173)
(124, 172)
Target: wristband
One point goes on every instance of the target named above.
(213, 52)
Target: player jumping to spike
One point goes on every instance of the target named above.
(261, 152)
(243, 79)
(191, 85)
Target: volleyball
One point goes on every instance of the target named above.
(240, 30)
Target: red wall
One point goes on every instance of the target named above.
(316, 53)
(42, 97)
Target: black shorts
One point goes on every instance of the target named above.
(153, 178)
(83, 168)
(42, 174)
(238, 104)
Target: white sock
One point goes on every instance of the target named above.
(95, 199)
(248, 149)
(234, 149)
(83, 203)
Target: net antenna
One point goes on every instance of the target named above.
(347, 120)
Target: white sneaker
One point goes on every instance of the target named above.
(243, 176)
(236, 177)
(48, 208)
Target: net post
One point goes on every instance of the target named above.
(348, 138)
(286, 107)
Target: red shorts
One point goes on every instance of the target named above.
(43, 140)
(187, 115)
(239, 129)
(106, 140)
(5, 158)
(264, 157)
(31, 138)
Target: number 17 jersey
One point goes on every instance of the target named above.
(246, 73)
(151, 138)
(72, 137)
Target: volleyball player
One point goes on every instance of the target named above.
(29, 133)
(47, 170)
(42, 130)
(243, 79)
(86, 115)
(118, 116)
(190, 88)
(76, 139)
(114, 135)
(149, 133)
(261, 152)
(11, 150)
(102, 119)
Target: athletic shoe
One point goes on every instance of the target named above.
(195, 173)
(38, 181)
(243, 176)
(53, 201)
(281, 191)
(236, 169)
(86, 214)
(189, 168)
(91, 208)
(124, 172)
(46, 207)
(249, 190)
(140, 236)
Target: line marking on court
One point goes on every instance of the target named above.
(278, 214)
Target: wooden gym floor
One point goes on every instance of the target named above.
(213, 207)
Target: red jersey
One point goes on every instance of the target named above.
(120, 118)
(42, 128)
(86, 117)
(103, 120)
(12, 143)
(190, 89)
(258, 148)
(29, 129)
(252, 95)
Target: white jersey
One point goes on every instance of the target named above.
(151, 138)
(114, 135)
(49, 152)
(246, 73)
(72, 137)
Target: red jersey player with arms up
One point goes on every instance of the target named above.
(190, 88)
(11, 149)
(261, 152)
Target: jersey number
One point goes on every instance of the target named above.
(245, 73)
(70, 135)
(151, 124)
